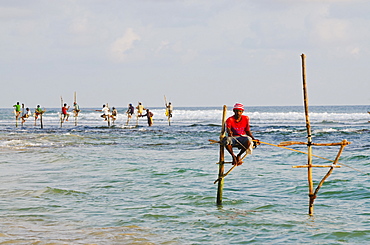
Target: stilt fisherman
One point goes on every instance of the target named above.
(239, 134)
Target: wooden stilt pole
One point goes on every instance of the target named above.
(311, 193)
(22, 115)
(344, 144)
(221, 165)
(108, 119)
(128, 117)
(309, 137)
(231, 169)
(16, 119)
(167, 111)
(75, 101)
(41, 123)
(61, 114)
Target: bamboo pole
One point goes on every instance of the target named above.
(317, 166)
(221, 166)
(224, 175)
(108, 116)
(309, 137)
(41, 123)
(75, 101)
(331, 169)
(16, 118)
(128, 120)
(22, 115)
(167, 111)
(231, 169)
(287, 148)
(286, 143)
(61, 114)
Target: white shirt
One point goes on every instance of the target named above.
(105, 110)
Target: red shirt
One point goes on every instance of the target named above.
(64, 110)
(238, 128)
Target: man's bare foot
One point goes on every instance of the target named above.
(235, 161)
(238, 160)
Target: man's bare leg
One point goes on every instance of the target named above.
(229, 148)
(238, 157)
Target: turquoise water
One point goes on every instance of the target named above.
(93, 184)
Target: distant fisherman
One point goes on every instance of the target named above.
(239, 134)
(38, 111)
(65, 112)
(114, 114)
(130, 110)
(149, 115)
(17, 110)
(76, 109)
(27, 114)
(105, 111)
(169, 109)
(140, 109)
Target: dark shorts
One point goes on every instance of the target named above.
(235, 141)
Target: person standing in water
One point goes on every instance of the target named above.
(149, 116)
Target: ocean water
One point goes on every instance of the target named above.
(94, 184)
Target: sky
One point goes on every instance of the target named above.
(195, 52)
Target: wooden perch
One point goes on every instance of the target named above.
(214, 141)
(231, 169)
(286, 143)
(317, 166)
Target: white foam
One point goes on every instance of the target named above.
(90, 117)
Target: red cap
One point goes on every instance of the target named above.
(238, 106)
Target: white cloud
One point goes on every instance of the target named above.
(331, 31)
(14, 13)
(162, 46)
(79, 25)
(189, 56)
(122, 45)
(355, 51)
(186, 42)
